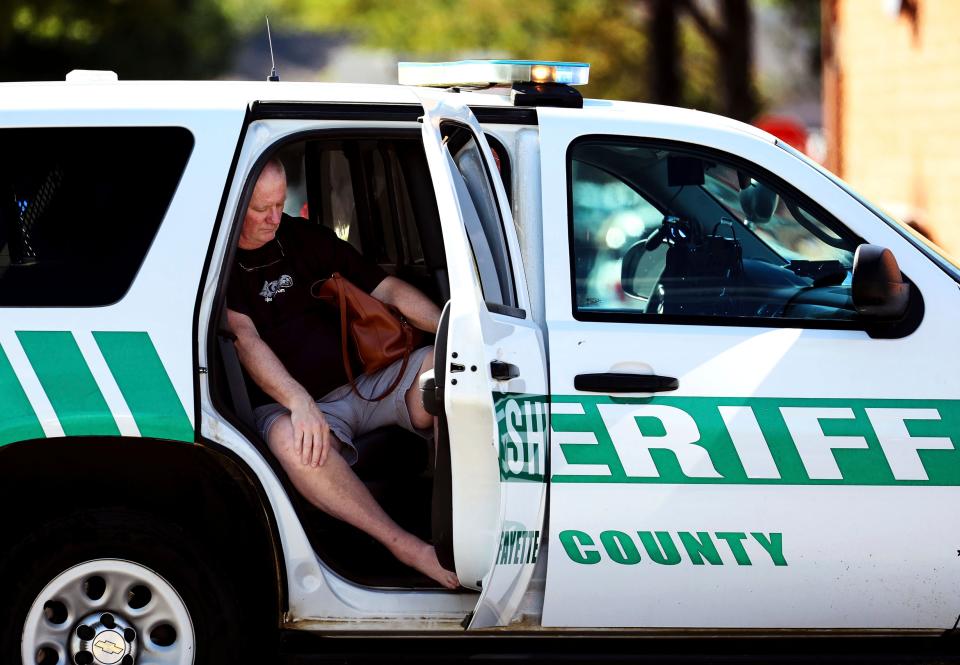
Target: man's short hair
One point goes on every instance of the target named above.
(274, 164)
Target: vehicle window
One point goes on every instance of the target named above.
(409, 235)
(481, 214)
(352, 181)
(609, 216)
(337, 207)
(663, 232)
(79, 208)
(385, 208)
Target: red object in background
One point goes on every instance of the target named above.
(786, 129)
(305, 211)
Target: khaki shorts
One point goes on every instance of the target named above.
(349, 415)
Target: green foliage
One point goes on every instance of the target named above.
(247, 15)
(609, 34)
(612, 35)
(700, 87)
(44, 39)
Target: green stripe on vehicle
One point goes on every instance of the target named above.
(522, 436)
(19, 422)
(145, 385)
(756, 441)
(68, 383)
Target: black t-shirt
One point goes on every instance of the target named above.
(272, 284)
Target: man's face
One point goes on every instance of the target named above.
(263, 214)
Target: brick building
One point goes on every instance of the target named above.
(892, 107)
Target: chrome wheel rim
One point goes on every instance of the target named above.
(108, 612)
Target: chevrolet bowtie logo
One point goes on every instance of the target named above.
(108, 646)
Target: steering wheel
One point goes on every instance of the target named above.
(673, 230)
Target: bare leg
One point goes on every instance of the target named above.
(335, 489)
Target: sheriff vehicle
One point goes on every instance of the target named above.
(687, 381)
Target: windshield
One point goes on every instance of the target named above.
(789, 230)
(947, 263)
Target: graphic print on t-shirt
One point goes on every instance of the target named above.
(277, 286)
(270, 284)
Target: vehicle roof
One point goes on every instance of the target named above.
(237, 95)
(672, 114)
(200, 95)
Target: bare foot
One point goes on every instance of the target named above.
(423, 557)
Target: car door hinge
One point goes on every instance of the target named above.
(201, 370)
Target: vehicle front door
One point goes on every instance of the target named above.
(733, 444)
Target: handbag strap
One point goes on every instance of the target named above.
(345, 351)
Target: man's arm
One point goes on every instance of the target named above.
(418, 309)
(311, 434)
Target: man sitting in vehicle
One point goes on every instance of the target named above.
(289, 343)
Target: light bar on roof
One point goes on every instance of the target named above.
(486, 72)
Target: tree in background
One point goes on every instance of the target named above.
(730, 35)
(607, 34)
(695, 53)
(45, 39)
(682, 52)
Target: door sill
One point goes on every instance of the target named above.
(392, 626)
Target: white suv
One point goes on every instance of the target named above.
(701, 343)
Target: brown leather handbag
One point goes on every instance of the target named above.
(377, 333)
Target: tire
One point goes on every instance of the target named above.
(76, 586)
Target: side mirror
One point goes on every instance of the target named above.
(879, 290)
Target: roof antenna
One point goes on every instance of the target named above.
(273, 63)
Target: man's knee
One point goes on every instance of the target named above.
(281, 444)
(280, 437)
(419, 417)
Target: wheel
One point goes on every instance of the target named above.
(116, 588)
(108, 611)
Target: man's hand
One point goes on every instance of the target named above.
(312, 437)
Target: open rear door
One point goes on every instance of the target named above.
(493, 372)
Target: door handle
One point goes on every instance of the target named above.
(616, 382)
(502, 371)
